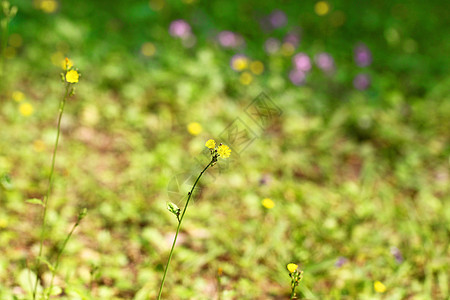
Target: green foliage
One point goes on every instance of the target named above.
(359, 179)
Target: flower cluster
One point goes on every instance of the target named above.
(221, 150)
(71, 75)
(296, 276)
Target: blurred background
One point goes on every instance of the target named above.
(337, 113)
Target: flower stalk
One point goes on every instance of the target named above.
(222, 151)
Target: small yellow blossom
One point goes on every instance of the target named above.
(224, 151)
(287, 49)
(379, 287)
(49, 6)
(26, 109)
(194, 128)
(257, 67)
(18, 96)
(292, 267)
(72, 76)
(322, 8)
(240, 63)
(268, 203)
(38, 145)
(148, 49)
(67, 64)
(211, 144)
(246, 78)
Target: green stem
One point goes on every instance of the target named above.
(178, 229)
(50, 180)
(59, 256)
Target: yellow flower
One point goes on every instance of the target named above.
(211, 144)
(67, 64)
(322, 8)
(224, 151)
(26, 109)
(292, 267)
(246, 78)
(257, 67)
(18, 96)
(267, 203)
(148, 49)
(49, 6)
(379, 287)
(194, 128)
(38, 145)
(72, 76)
(240, 63)
(287, 49)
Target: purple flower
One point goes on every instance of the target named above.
(362, 55)
(277, 19)
(297, 77)
(361, 81)
(340, 261)
(397, 254)
(325, 62)
(302, 62)
(272, 45)
(229, 39)
(265, 179)
(180, 28)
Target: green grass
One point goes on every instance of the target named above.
(352, 173)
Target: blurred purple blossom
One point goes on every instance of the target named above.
(265, 179)
(297, 77)
(272, 45)
(229, 39)
(180, 28)
(361, 81)
(340, 261)
(302, 62)
(362, 55)
(325, 62)
(277, 19)
(397, 254)
(292, 38)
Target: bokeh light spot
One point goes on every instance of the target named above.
(257, 67)
(148, 49)
(246, 78)
(322, 8)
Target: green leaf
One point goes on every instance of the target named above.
(36, 201)
(49, 265)
(56, 290)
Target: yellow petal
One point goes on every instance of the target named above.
(211, 144)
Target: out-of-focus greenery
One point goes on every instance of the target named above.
(359, 177)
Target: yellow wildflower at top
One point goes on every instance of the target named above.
(224, 151)
(72, 76)
(292, 267)
(194, 128)
(379, 287)
(268, 203)
(211, 144)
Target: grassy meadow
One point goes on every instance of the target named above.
(337, 114)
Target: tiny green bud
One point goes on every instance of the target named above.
(173, 208)
(82, 214)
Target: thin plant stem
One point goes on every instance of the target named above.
(50, 181)
(178, 229)
(59, 255)
(293, 293)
